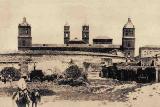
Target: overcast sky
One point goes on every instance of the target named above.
(105, 17)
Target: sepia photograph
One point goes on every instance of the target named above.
(79, 53)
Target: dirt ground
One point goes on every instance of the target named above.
(100, 92)
(8, 102)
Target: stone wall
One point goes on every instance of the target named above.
(52, 62)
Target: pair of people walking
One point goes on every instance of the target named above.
(23, 96)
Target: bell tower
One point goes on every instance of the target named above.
(85, 33)
(66, 33)
(128, 39)
(24, 35)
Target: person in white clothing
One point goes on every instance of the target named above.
(21, 96)
(22, 84)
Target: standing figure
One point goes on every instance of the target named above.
(22, 95)
(35, 97)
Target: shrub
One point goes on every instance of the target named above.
(73, 76)
(72, 72)
(51, 77)
(10, 72)
(36, 75)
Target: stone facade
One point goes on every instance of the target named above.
(149, 51)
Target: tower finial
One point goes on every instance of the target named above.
(66, 24)
(129, 24)
(129, 19)
(24, 19)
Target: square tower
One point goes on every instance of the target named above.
(128, 39)
(66, 33)
(85, 33)
(24, 36)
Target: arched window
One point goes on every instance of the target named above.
(129, 44)
(26, 31)
(23, 43)
(66, 35)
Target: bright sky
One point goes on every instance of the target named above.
(105, 17)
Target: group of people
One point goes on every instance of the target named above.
(23, 97)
